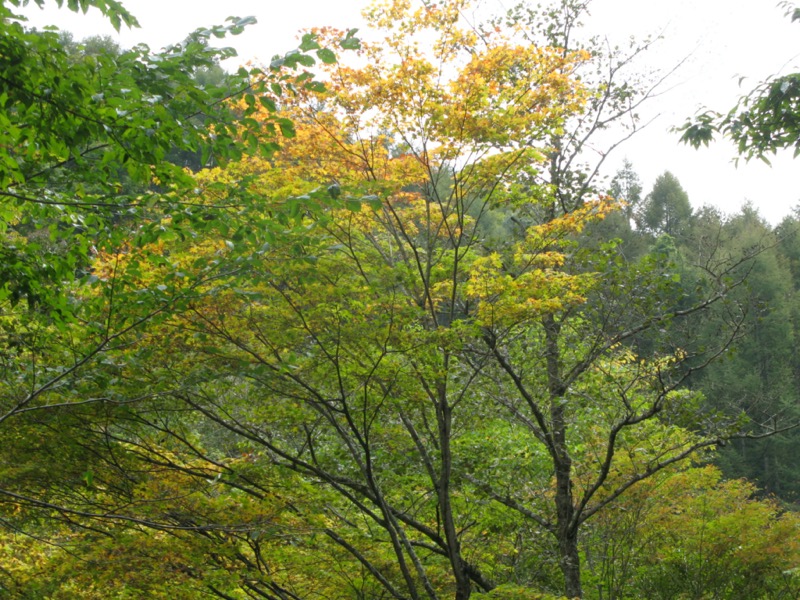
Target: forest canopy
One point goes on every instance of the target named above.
(368, 322)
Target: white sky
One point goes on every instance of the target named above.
(723, 39)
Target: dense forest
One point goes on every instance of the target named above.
(371, 322)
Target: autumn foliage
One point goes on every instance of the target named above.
(378, 356)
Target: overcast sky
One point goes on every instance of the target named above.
(723, 40)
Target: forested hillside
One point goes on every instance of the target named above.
(371, 322)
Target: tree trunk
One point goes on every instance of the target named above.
(567, 531)
(567, 528)
(570, 562)
(445, 418)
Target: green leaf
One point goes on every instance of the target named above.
(287, 128)
(309, 42)
(268, 103)
(316, 86)
(350, 42)
(306, 60)
(327, 56)
(374, 202)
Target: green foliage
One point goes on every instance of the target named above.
(765, 120)
(326, 367)
(719, 541)
(759, 376)
(689, 534)
(89, 193)
(89, 131)
(666, 208)
(627, 188)
(512, 592)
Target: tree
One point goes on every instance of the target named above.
(624, 224)
(666, 208)
(392, 339)
(571, 179)
(626, 187)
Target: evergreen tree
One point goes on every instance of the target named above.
(627, 187)
(758, 377)
(666, 208)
